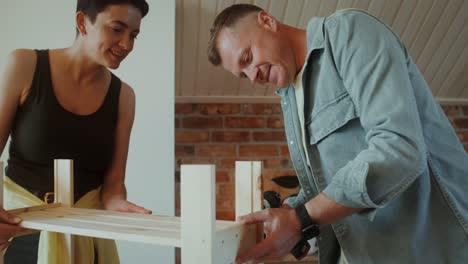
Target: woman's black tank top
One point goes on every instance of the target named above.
(43, 131)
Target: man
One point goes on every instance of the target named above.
(382, 171)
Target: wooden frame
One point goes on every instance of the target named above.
(203, 239)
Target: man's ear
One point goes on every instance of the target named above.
(81, 22)
(267, 21)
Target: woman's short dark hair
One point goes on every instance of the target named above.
(93, 7)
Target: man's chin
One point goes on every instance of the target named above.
(282, 83)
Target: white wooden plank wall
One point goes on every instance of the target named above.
(434, 31)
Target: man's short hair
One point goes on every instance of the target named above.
(227, 18)
(93, 7)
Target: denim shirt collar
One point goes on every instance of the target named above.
(315, 34)
(315, 40)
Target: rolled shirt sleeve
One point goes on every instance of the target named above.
(373, 64)
(296, 200)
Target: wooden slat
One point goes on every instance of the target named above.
(35, 215)
(93, 218)
(98, 223)
(35, 208)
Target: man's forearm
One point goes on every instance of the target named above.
(324, 210)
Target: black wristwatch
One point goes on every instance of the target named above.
(309, 228)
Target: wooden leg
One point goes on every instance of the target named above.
(64, 194)
(235, 238)
(198, 213)
(249, 195)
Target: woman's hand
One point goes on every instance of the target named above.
(8, 228)
(122, 205)
(114, 198)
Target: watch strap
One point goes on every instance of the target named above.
(304, 216)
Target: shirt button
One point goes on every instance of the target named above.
(291, 142)
(285, 103)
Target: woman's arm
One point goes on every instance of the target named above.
(15, 79)
(114, 193)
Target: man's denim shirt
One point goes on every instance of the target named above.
(377, 139)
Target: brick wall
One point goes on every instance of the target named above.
(458, 116)
(223, 133)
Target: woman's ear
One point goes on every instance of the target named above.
(267, 21)
(81, 22)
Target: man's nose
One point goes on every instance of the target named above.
(251, 73)
(126, 43)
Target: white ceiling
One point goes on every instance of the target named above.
(434, 31)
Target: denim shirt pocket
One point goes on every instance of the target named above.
(330, 117)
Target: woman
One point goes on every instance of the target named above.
(65, 103)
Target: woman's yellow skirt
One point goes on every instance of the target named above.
(51, 245)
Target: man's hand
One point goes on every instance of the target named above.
(283, 231)
(8, 228)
